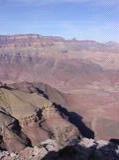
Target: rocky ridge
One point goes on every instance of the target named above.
(35, 126)
(30, 117)
(85, 149)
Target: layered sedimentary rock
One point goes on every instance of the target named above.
(87, 71)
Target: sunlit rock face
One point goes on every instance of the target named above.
(29, 115)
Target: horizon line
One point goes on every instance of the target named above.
(56, 36)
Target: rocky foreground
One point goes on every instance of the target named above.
(36, 125)
(85, 149)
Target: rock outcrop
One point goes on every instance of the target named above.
(34, 153)
(29, 116)
(34, 125)
(12, 137)
(85, 149)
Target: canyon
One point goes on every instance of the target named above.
(52, 88)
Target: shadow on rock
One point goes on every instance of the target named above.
(72, 117)
(76, 120)
(41, 92)
(78, 152)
